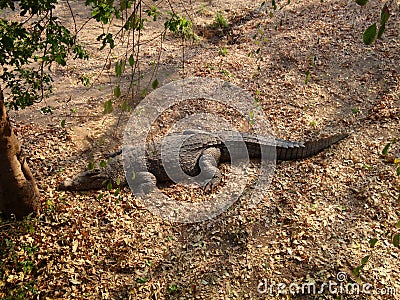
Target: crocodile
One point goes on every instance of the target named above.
(196, 153)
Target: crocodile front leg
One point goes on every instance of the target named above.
(210, 176)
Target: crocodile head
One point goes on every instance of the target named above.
(88, 180)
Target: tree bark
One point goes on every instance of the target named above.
(19, 195)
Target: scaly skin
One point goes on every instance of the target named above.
(199, 154)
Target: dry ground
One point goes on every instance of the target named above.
(320, 213)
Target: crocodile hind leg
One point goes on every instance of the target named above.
(141, 183)
(210, 176)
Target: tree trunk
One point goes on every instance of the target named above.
(19, 194)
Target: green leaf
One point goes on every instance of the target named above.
(153, 12)
(356, 271)
(222, 51)
(361, 2)
(172, 288)
(384, 14)
(85, 80)
(308, 75)
(220, 21)
(63, 123)
(125, 4)
(384, 18)
(365, 260)
(119, 68)
(372, 242)
(118, 181)
(396, 240)
(369, 34)
(366, 166)
(47, 110)
(103, 163)
(154, 84)
(131, 60)
(142, 280)
(386, 149)
(90, 165)
(117, 91)
(125, 106)
(109, 186)
(398, 224)
(251, 115)
(106, 39)
(398, 171)
(108, 107)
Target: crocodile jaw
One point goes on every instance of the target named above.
(88, 180)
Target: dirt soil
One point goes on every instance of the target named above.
(320, 213)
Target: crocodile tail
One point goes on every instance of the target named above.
(307, 149)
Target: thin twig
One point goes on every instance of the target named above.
(73, 18)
